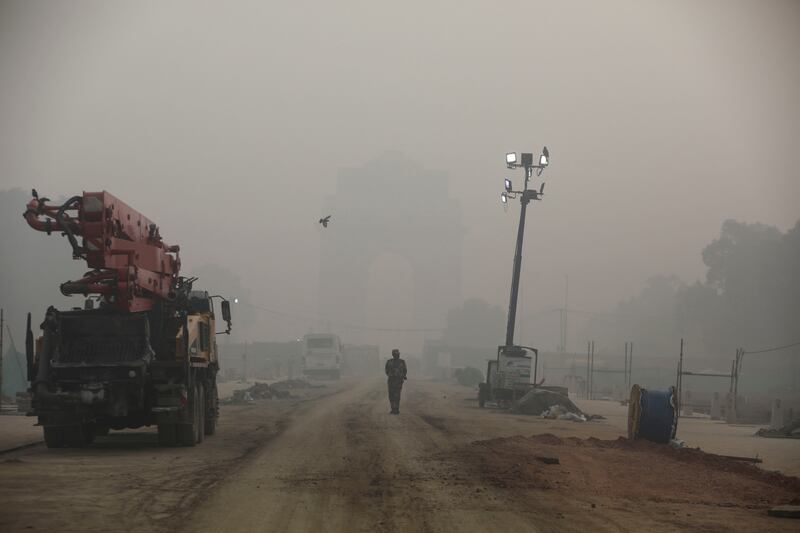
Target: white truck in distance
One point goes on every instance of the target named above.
(322, 355)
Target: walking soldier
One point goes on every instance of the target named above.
(396, 372)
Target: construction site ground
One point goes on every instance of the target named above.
(333, 459)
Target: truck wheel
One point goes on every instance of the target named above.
(211, 411)
(167, 434)
(89, 432)
(77, 436)
(54, 437)
(201, 412)
(187, 431)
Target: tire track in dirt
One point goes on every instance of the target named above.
(170, 500)
(127, 482)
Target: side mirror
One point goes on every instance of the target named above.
(226, 314)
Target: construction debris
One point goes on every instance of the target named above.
(295, 384)
(740, 458)
(539, 401)
(785, 511)
(561, 413)
(789, 431)
(265, 391)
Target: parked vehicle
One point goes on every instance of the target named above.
(322, 355)
(141, 351)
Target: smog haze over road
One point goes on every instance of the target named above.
(229, 124)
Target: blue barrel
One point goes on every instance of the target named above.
(652, 414)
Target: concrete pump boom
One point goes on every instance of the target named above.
(132, 267)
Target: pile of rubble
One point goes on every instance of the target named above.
(789, 431)
(295, 384)
(552, 405)
(265, 391)
(538, 401)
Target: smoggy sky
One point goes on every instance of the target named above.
(227, 123)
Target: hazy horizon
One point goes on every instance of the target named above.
(228, 126)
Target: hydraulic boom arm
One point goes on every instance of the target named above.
(132, 267)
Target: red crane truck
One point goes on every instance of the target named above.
(142, 349)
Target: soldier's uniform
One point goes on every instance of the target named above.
(396, 373)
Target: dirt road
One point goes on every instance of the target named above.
(337, 461)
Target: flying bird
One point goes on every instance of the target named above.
(324, 221)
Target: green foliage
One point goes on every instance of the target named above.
(469, 376)
(648, 318)
(750, 298)
(752, 292)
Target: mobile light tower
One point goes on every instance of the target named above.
(508, 377)
(525, 197)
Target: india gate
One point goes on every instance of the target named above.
(394, 205)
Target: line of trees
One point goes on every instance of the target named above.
(750, 298)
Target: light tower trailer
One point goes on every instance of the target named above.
(508, 376)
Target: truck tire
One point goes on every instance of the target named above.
(167, 435)
(185, 434)
(53, 436)
(211, 411)
(187, 431)
(78, 435)
(201, 412)
(89, 433)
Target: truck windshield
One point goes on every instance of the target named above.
(319, 343)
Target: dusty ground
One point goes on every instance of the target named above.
(125, 482)
(337, 461)
(715, 436)
(18, 430)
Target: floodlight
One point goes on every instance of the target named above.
(236, 300)
(504, 197)
(544, 159)
(508, 185)
(511, 158)
(526, 159)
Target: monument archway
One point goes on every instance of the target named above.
(390, 278)
(390, 205)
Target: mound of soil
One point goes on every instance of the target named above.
(635, 470)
